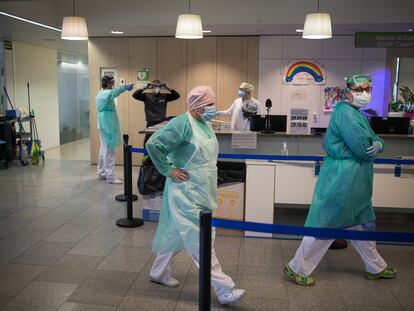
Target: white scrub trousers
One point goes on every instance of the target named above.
(221, 282)
(311, 251)
(106, 161)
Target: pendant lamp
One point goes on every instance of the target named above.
(317, 26)
(74, 27)
(189, 26)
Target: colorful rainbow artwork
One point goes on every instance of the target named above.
(303, 66)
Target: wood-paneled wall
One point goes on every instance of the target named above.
(221, 63)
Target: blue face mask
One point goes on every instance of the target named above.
(241, 93)
(209, 113)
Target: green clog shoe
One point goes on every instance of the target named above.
(298, 279)
(387, 273)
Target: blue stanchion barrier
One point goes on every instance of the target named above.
(397, 237)
(300, 239)
(138, 150)
(326, 233)
(269, 157)
(394, 161)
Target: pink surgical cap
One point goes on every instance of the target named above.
(200, 96)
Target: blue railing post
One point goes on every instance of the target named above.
(397, 168)
(130, 221)
(317, 167)
(122, 197)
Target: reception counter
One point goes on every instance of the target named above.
(292, 182)
(305, 144)
(308, 144)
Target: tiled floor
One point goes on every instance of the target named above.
(61, 250)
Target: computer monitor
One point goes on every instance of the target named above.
(393, 125)
(277, 123)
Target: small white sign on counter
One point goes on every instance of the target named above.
(244, 140)
(299, 121)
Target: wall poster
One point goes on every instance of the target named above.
(299, 121)
(110, 72)
(332, 95)
(298, 95)
(304, 72)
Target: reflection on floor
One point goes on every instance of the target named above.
(61, 250)
(77, 150)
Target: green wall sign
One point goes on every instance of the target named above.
(384, 39)
(143, 74)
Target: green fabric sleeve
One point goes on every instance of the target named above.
(116, 92)
(355, 135)
(164, 141)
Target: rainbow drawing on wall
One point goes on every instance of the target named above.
(304, 72)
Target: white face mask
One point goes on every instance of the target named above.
(361, 99)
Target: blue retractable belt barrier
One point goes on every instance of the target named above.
(393, 161)
(399, 237)
(269, 157)
(139, 150)
(329, 233)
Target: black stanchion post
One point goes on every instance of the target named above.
(205, 262)
(130, 221)
(122, 197)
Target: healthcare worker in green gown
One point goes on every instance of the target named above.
(108, 127)
(185, 151)
(343, 191)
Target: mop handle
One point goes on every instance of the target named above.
(30, 113)
(28, 98)
(7, 95)
(36, 135)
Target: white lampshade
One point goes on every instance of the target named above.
(74, 28)
(189, 27)
(317, 26)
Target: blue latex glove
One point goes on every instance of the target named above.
(129, 87)
(374, 149)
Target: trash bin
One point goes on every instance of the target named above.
(149, 179)
(230, 172)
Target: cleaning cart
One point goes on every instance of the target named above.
(28, 141)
